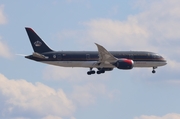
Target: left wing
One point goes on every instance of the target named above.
(105, 57)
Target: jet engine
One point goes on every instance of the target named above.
(124, 64)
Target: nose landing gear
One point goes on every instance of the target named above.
(153, 71)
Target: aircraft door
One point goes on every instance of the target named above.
(87, 56)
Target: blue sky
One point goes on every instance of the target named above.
(32, 90)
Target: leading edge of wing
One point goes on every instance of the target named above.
(104, 55)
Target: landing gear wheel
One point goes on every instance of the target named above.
(102, 71)
(91, 72)
(88, 73)
(98, 72)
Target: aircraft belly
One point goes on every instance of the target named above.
(78, 64)
(94, 64)
(148, 64)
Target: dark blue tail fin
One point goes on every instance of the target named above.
(37, 43)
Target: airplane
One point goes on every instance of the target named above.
(102, 59)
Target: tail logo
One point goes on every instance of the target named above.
(37, 43)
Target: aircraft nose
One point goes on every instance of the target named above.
(164, 61)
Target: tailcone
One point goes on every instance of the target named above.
(28, 56)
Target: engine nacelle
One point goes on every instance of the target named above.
(124, 64)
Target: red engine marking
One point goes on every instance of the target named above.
(128, 61)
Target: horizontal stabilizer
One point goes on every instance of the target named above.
(35, 54)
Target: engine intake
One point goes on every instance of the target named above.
(124, 64)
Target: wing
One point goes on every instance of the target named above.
(105, 57)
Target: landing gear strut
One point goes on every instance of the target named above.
(91, 71)
(153, 71)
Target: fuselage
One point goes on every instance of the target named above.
(90, 58)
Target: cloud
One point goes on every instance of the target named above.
(55, 117)
(155, 28)
(85, 89)
(168, 116)
(161, 18)
(51, 117)
(20, 97)
(3, 19)
(20, 118)
(87, 94)
(4, 50)
(118, 34)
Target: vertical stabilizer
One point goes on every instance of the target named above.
(37, 43)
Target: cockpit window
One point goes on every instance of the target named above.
(157, 56)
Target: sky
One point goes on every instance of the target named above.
(32, 90)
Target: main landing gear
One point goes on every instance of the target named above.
(100, 71)
(153, 71)
(93, 72)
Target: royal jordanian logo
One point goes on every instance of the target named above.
(37, 43)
